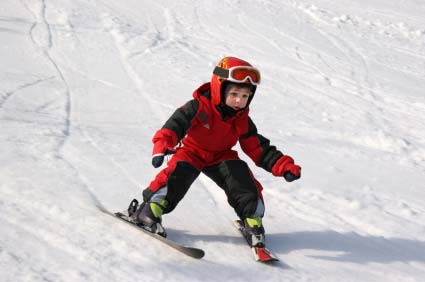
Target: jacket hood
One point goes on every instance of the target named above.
(204, 93)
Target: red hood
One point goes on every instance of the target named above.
(214, 92)
(215, 98)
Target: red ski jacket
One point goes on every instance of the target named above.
(208, 136)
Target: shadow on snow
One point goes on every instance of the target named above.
(349, 247)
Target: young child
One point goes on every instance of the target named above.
(209, 126)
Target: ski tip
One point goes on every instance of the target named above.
(262, 254)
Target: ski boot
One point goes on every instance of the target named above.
(254, 231)
(148, 216)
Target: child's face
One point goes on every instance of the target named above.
(237, 97)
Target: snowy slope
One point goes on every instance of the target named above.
(85, 84)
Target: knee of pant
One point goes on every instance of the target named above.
(179, 182)
(238, 175)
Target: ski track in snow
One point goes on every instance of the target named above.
(41, 36)
(343, 86)
(7, 95)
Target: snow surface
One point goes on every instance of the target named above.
(85, 84)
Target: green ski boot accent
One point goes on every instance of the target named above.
(158, 208)
(255, 231)
(254, 221)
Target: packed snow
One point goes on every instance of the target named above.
(84, 85)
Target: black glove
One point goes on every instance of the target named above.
(158, 159)
(289, 176)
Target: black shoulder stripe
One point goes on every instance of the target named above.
(180, 121)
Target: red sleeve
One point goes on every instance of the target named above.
(258, 148)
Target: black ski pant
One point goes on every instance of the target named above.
(243, 191)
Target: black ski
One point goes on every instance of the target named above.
(189, 251)
(261, 254)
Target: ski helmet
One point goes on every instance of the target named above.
(234, 70)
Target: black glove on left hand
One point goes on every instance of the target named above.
(158, 159)
(289, 176)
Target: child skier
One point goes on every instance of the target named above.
(208, 126)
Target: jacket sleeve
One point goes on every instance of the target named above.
(258, 148)
(175, 127)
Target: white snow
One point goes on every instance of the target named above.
(85, 84)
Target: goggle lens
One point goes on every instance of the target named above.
(242, 74)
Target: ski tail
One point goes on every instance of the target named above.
(189, 251)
